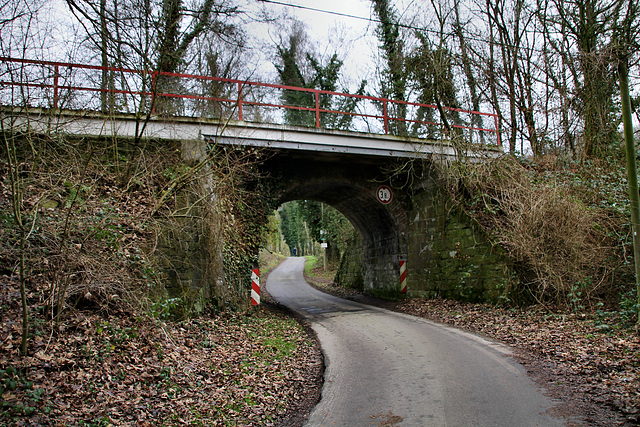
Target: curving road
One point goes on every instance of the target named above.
(385, 368)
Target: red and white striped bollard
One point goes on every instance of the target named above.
(255, 286)
(403, 277)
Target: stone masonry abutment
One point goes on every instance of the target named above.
(447, 254)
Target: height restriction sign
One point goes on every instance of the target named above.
(384, 194)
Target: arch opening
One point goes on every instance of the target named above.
(372, 221)
(349, 184)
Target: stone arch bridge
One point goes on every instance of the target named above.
(388, 188)
(402, 218)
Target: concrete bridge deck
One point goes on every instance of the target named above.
(72, 98)
(232, 132)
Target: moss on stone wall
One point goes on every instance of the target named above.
(450, 256)
(349, 272)
(189, 252)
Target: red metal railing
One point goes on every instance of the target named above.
(61, 85)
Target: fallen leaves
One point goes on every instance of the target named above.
(227, 369)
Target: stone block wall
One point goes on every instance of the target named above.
(381, 268)
(350, 271)
(450, 256)
(185, 249)
(189, 242)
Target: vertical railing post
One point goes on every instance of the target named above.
(471, 129)
(56, 78)
(499, 139)
(240, 101)
(153, 92)
(317, 109)
(385, 116)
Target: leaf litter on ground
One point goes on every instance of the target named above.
(247, 369)
(261, 368)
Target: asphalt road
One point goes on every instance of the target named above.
(386, 369)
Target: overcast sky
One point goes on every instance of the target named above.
(352, 39)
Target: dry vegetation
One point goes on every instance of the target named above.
(105, 223)
(252, 368)
(88, 240)
(562, 222)
(108, 345)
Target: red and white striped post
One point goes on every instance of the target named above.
(255, 286)
(403, 277)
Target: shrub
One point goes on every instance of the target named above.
(549, 222)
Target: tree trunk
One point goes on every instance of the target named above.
(476, 119)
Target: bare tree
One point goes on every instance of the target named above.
(21, 35)
(153, 36)
(586, 27)
(431, 67)
(467, 67)
(508, 27)
(558, 77)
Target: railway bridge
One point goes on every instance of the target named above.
(354, 164)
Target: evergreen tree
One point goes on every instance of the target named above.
(394, 83)
(292, 59)
(326, 224)
(292, 227)
(290, 75)
(435, 86)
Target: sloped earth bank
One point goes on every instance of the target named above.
(258, 368)
(592, 366)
